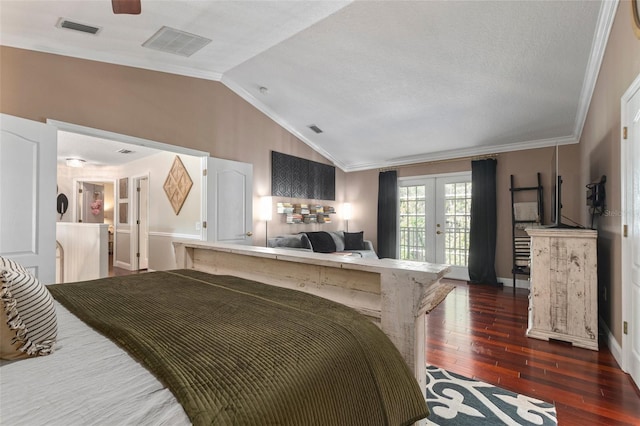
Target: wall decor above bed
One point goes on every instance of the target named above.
(299, 178)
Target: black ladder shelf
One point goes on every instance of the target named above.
(523, 214)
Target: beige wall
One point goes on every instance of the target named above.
(597, 154)
(363, 186)
(600, 155)
(163, 222)
(207, 116)
(194, 113)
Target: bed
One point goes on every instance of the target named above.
(392, 293)
(222, 350)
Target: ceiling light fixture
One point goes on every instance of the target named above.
(75, 162)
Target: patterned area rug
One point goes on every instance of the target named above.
(458, 400)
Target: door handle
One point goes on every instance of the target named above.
(248, 234)
(438, 232)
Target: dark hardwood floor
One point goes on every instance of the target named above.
(114, 271)
(479, 332)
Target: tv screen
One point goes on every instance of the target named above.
(556, 181)
(556, 201)
(556, 196)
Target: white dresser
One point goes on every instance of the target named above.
(563, 303)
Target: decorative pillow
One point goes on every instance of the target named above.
(29, 326)
(11, 265)
(338, 238)
(354, 240)
(291, 241)
(321, 242)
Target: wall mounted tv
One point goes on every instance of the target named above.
(556, 197)
(556, 203)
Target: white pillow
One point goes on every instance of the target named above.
(11, 265)
(29, 326)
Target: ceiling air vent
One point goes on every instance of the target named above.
(76, 26)
(315, 128)
(176, 42)
(125, 151)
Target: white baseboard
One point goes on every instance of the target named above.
(122, 265)
(612, 343)
(508, 282)
(174, 235)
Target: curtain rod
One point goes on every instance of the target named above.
(447, 160)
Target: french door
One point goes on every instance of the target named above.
(434, 218)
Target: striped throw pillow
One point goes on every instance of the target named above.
(28, 326)
(11, 265)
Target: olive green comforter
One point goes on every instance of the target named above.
(238, 352)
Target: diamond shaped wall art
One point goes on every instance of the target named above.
(177, 185)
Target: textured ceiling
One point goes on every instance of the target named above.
(98, 151)
(388, 82)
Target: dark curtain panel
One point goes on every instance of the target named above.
(387, 214)
(482, 233)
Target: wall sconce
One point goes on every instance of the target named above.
(266, 214)
(347, 213)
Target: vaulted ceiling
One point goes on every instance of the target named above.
(387, 82)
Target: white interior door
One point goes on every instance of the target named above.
(434, 221)
(28, 195)
(630, 162)
(229, 206)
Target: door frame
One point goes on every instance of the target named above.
(626, 166)
(432, 190)
(118, 137)
(135, 215)
(76, 182)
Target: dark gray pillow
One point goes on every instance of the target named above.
(322, 242)
(292, 241)
(354, 240)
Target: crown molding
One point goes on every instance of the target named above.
(605, 21)
(462, 153)
(249, 97)
(604, 24)
(111, 59)
(606, 17)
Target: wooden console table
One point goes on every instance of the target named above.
(563, 303)
(390, 292)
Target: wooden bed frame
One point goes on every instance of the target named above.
(390, 292)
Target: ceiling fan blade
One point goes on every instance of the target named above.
(131, 7)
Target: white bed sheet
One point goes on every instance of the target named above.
(88, 380)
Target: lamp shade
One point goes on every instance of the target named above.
(347, 211)
(266, 208)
